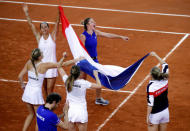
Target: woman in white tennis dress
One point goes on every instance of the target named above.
(32, 95)
(46, 43)
(33, 90)
(36, 69)
(76, 97)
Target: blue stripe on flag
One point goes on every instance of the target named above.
(114, 83)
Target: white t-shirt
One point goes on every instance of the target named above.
(78, 93)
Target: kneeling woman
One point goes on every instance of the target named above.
(157, 97)
(76, 97)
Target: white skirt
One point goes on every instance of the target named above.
(78, 113)
(33, 95)
(51, 73)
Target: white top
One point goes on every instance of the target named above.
(48, 47)
(35, 81)
(156, 88)
(78, 93)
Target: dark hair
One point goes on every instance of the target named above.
(44, 23)
(74, 74)
(36, 53)
(85, 22)
(53, 97)
(157, 74)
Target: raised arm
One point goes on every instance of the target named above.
(21, 74)
(157, 57)
(60, 69)
(69, 62)
(48, 65)
(56, 27)
(110, 35)
(36, 34)
(98, 83)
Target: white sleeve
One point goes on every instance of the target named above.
(86, 84)
(165, 68)
(64, 78)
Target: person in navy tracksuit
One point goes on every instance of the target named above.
(157, 97)
(89, 39)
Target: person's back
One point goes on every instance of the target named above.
(33, 92)
(76, 97)
(35, 81)
(157, 97)
(78, 93)
(160, 92)
(46, 119)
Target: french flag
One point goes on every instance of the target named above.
(112, 77)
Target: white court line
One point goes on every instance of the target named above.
(120, 91)
(139, 85)
(114, 28)
(101, 9)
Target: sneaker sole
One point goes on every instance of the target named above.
(101, 104)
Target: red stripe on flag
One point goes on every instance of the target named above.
(65, 24)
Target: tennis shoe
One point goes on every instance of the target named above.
(101, 101)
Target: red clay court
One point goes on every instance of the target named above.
(162, 26)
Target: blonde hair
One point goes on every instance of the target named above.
(36, 53)
(157, 74)
(74, 74)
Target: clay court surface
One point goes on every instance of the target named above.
(165, 33)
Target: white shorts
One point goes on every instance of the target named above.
(77, 113)
(160, 117)
(51, 73)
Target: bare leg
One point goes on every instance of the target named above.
(82, 126)
(71, 126)
(98, 93)
(30, 117)
(163, 127)
(153, 128)
(35, 108)
(45, 87)
(50, 84)
(65, 110)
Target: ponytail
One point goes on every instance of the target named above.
(34, 67)
(69, 83)
(157, 75)
(163, 76)
(74, 74)
(85, 22)
(34, 57)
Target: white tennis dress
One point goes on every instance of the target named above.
(48, 47)
(77, 101)
(33, 90)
